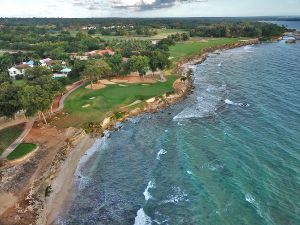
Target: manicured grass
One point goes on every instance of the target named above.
(192, 47)
(22, 150)
(161, 33)
(9, 135)
(106, 100)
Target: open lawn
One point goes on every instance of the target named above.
(22, 150)
(192, 47)
(86, 105)
(161, 33)
(9, 135)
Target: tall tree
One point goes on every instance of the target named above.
(96, 70)
(35, 99)
(115, 62)
(35, 72)
(10, 99)
(159, 60)
(139, 64)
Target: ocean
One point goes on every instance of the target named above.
(227, 154)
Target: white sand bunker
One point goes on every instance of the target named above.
(106, 82)
(119, 81)
(86, 106)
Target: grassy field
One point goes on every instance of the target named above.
(22, 150)
(192, 47)
(8, 135)
(107, 100)
(161, 33)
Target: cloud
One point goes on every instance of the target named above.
(136, 5)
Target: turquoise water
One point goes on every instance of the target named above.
(228, 154)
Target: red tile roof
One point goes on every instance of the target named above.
(101, 52)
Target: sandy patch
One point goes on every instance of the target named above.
(135, 80)
(96, 86)
(92, 98)
(119, 80)
(122, 85)
(7, 201)
(106, 82)
(63, 184)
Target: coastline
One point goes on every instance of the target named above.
(60, 174)
(181, 88)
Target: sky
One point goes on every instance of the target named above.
(148, 8)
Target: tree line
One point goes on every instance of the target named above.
(34, 96)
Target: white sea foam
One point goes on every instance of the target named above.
(248, 48)
(178, 195)
(146, 193)
(142, 218)
(99, 144)
(161, 152)
(229, 102)
(249, 198)
(189, 172)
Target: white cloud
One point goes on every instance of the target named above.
(146, 8)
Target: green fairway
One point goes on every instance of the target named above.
(161, 33)
(22, 150)
(192, 47)
(8, 135)
(85, 105)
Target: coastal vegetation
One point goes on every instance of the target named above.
(21, 150)
(8, 135)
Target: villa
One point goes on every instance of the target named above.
(18, 70)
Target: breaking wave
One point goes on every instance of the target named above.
(229, 102)
(146, 192)
(142, 218)
(161, 152)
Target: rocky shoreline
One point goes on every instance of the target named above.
(37, 206)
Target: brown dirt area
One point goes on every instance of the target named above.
(16, 180)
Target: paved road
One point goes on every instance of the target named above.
(63, 98)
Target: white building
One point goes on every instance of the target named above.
(18, 70)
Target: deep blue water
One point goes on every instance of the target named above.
(228, 154)
(288, 24)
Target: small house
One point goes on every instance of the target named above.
(18, 70)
